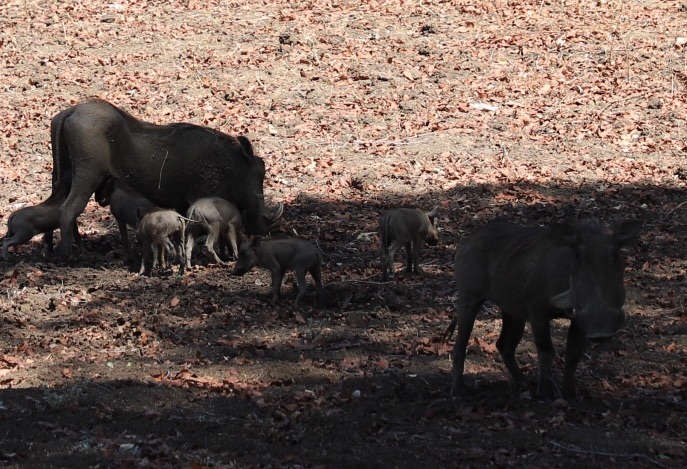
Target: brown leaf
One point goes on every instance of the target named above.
(382, 364)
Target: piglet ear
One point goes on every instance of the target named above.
(433, 213)
(256, 241)
(626, 232)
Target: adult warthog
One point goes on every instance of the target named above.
(537, 274)
(170, 165)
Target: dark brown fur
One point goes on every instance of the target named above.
(124, 203)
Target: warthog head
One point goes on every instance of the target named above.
(596, 292)
(248, 258)
(104, 191)
(432, 237)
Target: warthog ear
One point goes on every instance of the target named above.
(246, 146)
(626, 232)
(434, 212)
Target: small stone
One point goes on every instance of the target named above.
(655, 103)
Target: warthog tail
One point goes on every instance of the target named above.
(449, 330)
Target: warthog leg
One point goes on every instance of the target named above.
(466, 313)
(541, 330)
(409, 256)
(388, 260)
(316, 273)
(573, 354)
(213, 234)
(232, 236)
(511, 334)
(277, 276)
(418, 244)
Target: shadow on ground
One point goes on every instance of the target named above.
(204, 370)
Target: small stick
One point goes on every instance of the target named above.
(671, 212)
(604, 453)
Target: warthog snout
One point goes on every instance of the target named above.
(599, 324)
(596, 319)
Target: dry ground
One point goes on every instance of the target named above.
(533, 111)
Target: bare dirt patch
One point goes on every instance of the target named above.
(532, 111)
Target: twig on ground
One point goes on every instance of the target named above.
(340, 346)
(622, 100)
(660, 399)
(675, 208)
(607, 454)
(385, 141)
(368, 282)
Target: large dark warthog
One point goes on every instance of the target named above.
(537, 274)
(410, 228)
(170, 165)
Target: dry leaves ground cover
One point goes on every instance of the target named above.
(533, 111)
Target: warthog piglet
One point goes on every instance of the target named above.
(217, 218)
(410, 228)
(124, 205)
(27, 222)
(278, 256)
(161, 232)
